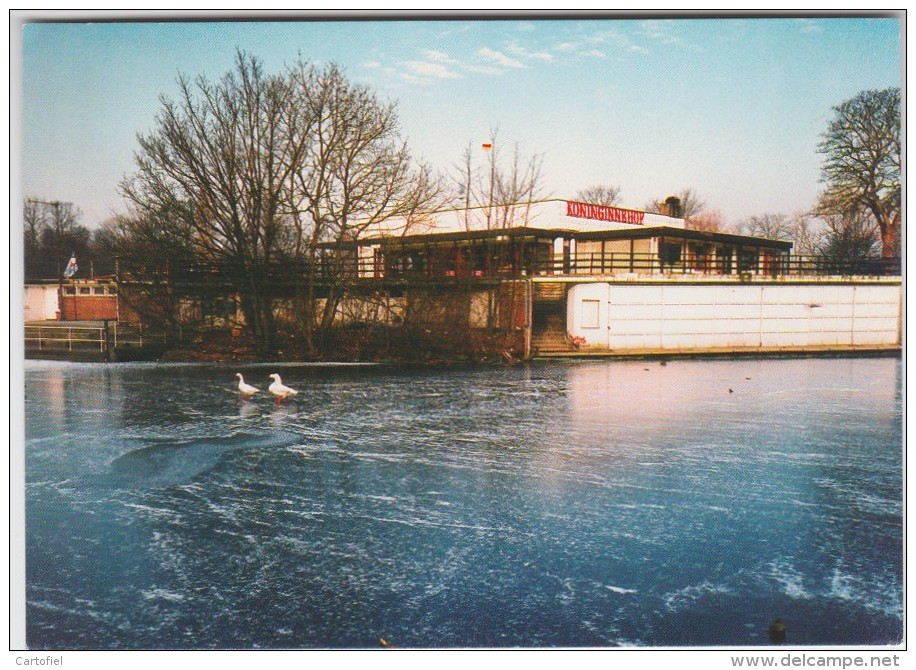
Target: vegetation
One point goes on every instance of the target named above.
(256, 172)
(265, 180)
(600, 195)
(690, 203)
(51, 234)
(861, 167)
(498, 185)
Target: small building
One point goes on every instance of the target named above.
(90, 300)
(93, 299)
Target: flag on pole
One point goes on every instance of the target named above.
(487, 146)
(72, 267)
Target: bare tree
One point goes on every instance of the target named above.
(503, 189)
(355, 173)
(710, 220)
(600, 195)
(690, 204)
(34, 220)
(773, 226)
(153, 249)
(219, 161)
(807, 235)
(517, 186)
(861, 167)
(496, 194)
(52, 233)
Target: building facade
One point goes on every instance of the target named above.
(559, 237)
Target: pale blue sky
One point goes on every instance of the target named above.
(732, 108)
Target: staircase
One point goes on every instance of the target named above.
(548, 319)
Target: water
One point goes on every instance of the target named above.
(567, 504)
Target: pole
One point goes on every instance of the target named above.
(488, 147)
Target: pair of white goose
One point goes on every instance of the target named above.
(279, 391)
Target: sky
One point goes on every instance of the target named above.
(732, 108)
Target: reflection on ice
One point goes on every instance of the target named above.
(575, 504)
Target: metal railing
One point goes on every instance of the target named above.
(104, 339)
(613, 263)
(403, 264)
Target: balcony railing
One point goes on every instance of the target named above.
(452, 266)
(614, 263)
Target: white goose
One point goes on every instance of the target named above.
(247, 390)
(279, 390)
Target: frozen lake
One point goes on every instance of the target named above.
(594, 503)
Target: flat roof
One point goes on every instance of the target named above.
(684, 233)
(469, 235)
(552, 233)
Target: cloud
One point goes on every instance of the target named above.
(499, 58)
(593, 53)
(428, 70)
(439, 57)
(809, 26)
(659, 30)
(566, 47)
(617, 39)
(519, 50)
(485, 69)
(525, 26)
(372, 64)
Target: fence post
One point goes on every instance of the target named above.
(106, 348)
(69, 339)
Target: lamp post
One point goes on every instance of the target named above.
(488, 147)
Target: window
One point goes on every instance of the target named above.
(69, 291)
(747, 260)
(98, 290)
(669, 254)
(591, 313)
(84, 290)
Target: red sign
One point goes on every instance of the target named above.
(584, 210)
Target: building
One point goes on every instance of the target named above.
(569, 278)
(93, 299)
(552, 277)
(559, 237)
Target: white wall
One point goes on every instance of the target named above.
(40, 303)
(677, 317)
(544, 214)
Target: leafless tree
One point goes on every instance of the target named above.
(691, 205)
(355, 174)
(772, 226)
(861, 165)
(219, 161)
(34, 221)
(52, 233)
(600, 195)
(710, 220)
(503, 188)
(807, 235)
(152, 248)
